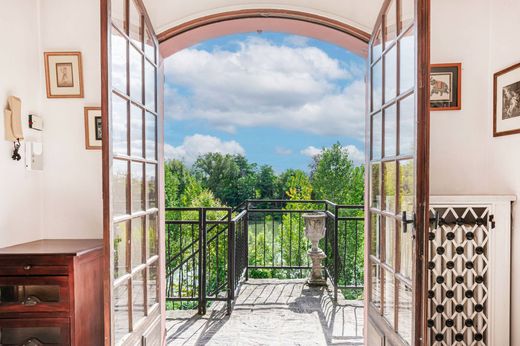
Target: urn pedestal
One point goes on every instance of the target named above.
(315, 231)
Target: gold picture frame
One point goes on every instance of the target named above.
(63, 74)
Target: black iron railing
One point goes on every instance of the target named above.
(209, 251)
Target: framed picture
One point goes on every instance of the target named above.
(93, 128)
(506, 101)
(445, 86)
(63, 75)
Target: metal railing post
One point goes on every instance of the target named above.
(202, 253)
(246, 239)
(231, 263)
(336, 257)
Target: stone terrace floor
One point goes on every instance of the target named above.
(272, 312)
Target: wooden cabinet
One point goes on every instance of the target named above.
(51, 293)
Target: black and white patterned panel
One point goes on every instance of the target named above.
(458, 265)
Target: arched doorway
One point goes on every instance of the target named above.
(398, 23)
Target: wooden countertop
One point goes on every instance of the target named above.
(54, 247)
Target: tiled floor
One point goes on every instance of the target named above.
(273, 312)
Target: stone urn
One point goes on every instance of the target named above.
(315, 231)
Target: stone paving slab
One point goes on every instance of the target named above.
(272, 312)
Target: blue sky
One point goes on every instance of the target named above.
(276, 98)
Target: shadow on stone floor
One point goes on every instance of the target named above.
(273, 312)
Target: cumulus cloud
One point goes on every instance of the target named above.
(196, 145)
(263, 84)
(355, 154)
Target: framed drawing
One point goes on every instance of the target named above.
(93, 129)
(506, 101)
(445, 87)
(63, 74)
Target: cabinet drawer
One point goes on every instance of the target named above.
(33, 265)
(32, 332)
(34, 294)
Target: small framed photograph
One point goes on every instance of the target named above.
(93, 128)
(445, 87)
(506, 101)
(63, 75)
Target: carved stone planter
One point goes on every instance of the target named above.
(315, 231)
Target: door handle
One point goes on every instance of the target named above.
(405, 221)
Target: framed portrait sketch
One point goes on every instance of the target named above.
(63, 75)
(93, 128)
(445, 87)
(506, 101)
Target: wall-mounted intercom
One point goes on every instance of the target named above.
(13, 124)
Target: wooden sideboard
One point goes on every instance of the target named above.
(51, 293)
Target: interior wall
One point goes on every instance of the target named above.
(21, 198)
(72, 182)
(465, 157)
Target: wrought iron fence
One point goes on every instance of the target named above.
(209, 251)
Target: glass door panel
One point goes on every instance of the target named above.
(131, 95)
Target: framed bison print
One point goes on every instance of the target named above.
(445, 85)
(506, 101)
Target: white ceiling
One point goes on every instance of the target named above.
(166, 14)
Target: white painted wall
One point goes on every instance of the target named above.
(72, 182)
(65, 200)
(465, 158)
(21, 198)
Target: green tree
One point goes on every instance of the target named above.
(335, 177)
(267, 183)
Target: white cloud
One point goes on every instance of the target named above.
(262, 84)
(193, 146)
(296, 40)
(355, 154)
(283, 151)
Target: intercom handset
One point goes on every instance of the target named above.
(13, 124)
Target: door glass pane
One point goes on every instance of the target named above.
(149, 85)
(137, 187)
(152, 237)
(407, 13)
(377, 46)
(390, 74)
(135, 24)
(136, 75)
(406, 186)
(118, 64)
(375, 182)
(149, 45)
(377, 133)
(407, 61)
(121, 311)
(136, 131)
(138, 293)
(120, 247)
(388, 310)
(377, 85)
(390, 131)
(137, 242)
(375, 229)
(150, 124)
(119, 125)
(120, 187)
(404, 311)
(375, 294)
(407, 126)
(389, 183)
(151, 185)
(405, 245)
(117, 11)
(153, 284)
(390, 23)
(390, 241)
